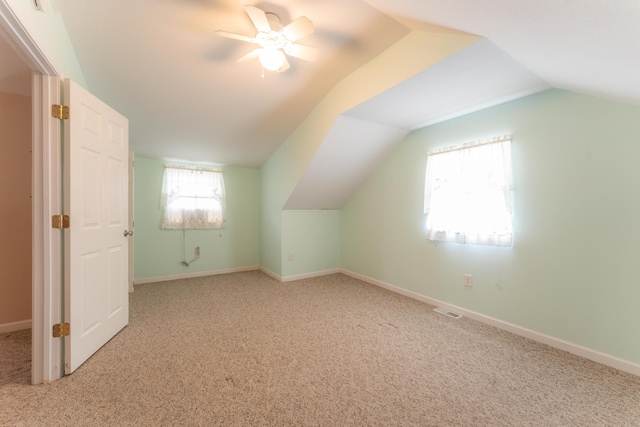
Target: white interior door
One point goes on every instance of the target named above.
(96, 147)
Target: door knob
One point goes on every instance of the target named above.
(128, 233)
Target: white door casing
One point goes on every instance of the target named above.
(48, 295)
(46, 187)
(96, 247)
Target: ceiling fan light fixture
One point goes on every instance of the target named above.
(271, 58)
(276, 42)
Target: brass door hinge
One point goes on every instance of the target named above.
(60, 111)
(60, 221)
(61, 330)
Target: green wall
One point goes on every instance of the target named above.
(572, 271)
(313, 237)
(282, 233)
(159, 252)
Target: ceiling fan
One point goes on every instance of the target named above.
(275, 40)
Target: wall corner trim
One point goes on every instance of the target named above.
(587, 353)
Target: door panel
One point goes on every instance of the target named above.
(96, 199)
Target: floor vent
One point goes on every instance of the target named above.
(447, 313)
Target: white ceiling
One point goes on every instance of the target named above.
(350, 151)
(160, 63)
(478, 77)
(589, 46)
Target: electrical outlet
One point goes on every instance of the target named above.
(290, 256)
(197, 250)
(468, 280)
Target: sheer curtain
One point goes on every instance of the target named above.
(192, 199)
(468, 194)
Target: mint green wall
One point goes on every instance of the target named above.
(48, 31)
(572, 272)
(314, 239)
(159, 252)
(281, 172)
(272, 198)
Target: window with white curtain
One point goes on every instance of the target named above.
(192, 199)
(468, 193)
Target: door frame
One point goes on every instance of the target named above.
(47, 358)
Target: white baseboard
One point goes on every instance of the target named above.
(310, 275)
(15, 326)
(299, 276)
(194, 274)
(234, 270)
(578, 350)
(271, 273)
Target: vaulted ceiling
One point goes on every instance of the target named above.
(161, 64)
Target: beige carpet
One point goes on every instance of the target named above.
(245, 350)
(15, 358)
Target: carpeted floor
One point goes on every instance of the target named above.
(245, 350)
(15, 357)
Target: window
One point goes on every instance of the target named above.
(468, 193)
(192, 199)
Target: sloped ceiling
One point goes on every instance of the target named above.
(480, 76)
(161, 64)
(587, 46)
(350, 151)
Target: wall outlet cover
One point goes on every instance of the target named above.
(468, 280)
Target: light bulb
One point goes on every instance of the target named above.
(271, 58)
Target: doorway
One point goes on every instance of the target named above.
(48, 291)
(15, 190)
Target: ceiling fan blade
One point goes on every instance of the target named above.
(308, 53)
(258, 18)
(285, 66)
(236, 36)
(298, 29)
(249, 56)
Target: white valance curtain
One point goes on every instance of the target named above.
(468, 193)
(192, 199)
